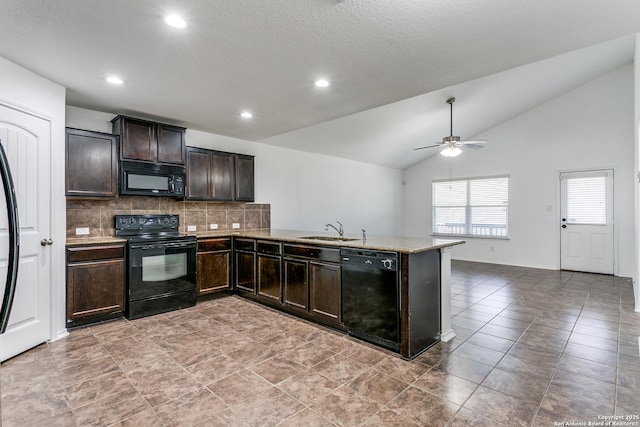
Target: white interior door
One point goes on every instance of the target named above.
(586, 209)
(26, 139)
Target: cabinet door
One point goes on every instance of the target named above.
(295, 283)
(222, 176)
(95, 288)
(91, 164)
(213, 271)
(198, 174)
(138, 139)
(245, 271)
(325, 286)
(269, 277)
(244, 178)
(171, 144)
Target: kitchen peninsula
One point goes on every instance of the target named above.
(305, 273)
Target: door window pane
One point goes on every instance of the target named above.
(587, 200)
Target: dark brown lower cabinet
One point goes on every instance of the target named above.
(325, 289)
(296, 284)
(269, 277)
(245, 271)
(269, 270)
(301, 279)
(312, 282)
(214, 265)
(95, 283)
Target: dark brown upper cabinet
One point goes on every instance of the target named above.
(91, 164)
(219, 176)
(244, 178)
(149, 141)
(222, 175)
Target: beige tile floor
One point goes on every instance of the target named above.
(533, 348)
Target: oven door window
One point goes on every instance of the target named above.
(159, 268)
(161, 271)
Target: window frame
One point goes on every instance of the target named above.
(468, 208)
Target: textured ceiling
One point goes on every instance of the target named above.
(263, 56)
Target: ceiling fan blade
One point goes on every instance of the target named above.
(479, 141)
(473, 146)
(429, 146)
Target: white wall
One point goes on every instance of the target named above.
(590, 127)
(23, 88)
(305, 190)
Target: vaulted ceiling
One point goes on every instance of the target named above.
(391, 63)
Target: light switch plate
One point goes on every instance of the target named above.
(191, 228)
(213, 226)
(235, 225)
(83, 231)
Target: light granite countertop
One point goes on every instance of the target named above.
(88, 241)
(379, 243)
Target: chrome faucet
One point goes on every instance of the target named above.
(339, 230)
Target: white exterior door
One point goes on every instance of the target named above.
(586, 237)
(26, 139)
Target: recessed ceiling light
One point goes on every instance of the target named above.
(115, 80)
(322, 83)
(246, 115)
(175, 21)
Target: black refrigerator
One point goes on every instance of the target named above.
(14, 245)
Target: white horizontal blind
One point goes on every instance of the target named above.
(587, 200)
(471, 207)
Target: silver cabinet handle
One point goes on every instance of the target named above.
(46, 242)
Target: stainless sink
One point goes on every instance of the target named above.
(328, 238)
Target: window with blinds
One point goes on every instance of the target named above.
(471, 207)
(587, 200)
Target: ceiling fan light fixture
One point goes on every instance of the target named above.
(451, 152)
(451, 142)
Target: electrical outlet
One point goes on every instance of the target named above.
(235, 225)
(191, 228)
(82, 231)
(213, 226)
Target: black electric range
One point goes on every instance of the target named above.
(161, 264)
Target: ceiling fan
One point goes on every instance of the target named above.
(452, 143)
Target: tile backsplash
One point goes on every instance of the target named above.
(97, 215)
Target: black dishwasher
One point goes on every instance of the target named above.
(370, 296)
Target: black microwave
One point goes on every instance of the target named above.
(149, 179)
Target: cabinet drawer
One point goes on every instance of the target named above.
(212, 245)
(94, 253)
(245, 245)
(313, 252)
(273, 248)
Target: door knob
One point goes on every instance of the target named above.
(46, 242)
